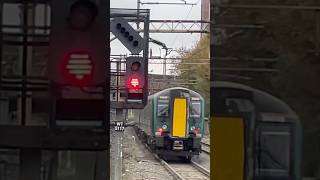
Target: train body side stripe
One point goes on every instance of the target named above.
(179, 123)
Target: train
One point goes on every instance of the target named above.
(172, 122)
(255, 135)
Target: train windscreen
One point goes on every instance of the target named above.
(163, 109)
(195, 110)
(273, 157)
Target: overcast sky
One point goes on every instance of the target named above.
(168, 12)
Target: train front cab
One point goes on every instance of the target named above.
(255, 136)
(179, 124)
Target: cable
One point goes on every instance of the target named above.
(187, 16)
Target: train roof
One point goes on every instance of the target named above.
(229, 84)
(174, 88)
(264, 102)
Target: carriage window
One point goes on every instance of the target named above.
(274, 151)
(195, 110)
(163, 109)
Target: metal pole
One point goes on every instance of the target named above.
(68, 165)
(317, 32)
(118, 161)
(53, 167)
(165, 65)
(146, 51)
(1, 45)
(151, 86)
(24, 63)
(138, 14)
(30, 161)
(120, 153)
(118, 79)
(117, 171)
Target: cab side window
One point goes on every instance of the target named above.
(163, 110)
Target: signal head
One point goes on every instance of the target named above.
(126, 34)
(135, 43)
(134, 83)
(118, 26)
(122, 30)
(135, 66)
(77, 67)
(82, 14)
(130, 38)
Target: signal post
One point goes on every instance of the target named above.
(134, 87)
(136, 80)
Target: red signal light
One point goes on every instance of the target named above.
(159, 132)
(134, 83)
(78, 68)
(196, 131)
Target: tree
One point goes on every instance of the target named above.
(197, 74)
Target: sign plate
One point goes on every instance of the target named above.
(119, 126)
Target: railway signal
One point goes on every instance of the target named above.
(77, 66)
(127, 35)
(136, 79)
(77, 43)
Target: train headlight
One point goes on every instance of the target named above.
(159, 132)
(196, 131)
(164, 126)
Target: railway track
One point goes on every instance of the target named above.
(183, 171)
(186, 171)
(205, 148)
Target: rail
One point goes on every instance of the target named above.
(205, 148)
